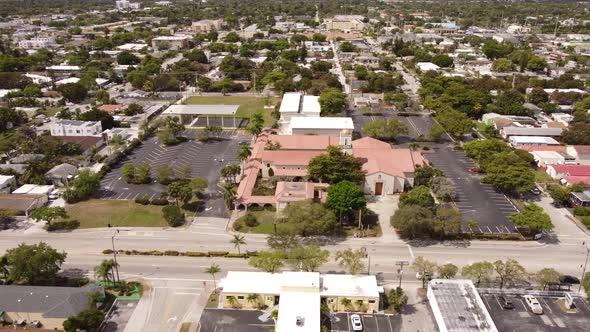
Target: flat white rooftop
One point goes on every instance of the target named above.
(299, 311)
(290, 102)
(311, 104)
(33, 189)
(457, 307)
(533, 140)
(322, 123)
(202, 109)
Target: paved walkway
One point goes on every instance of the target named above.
(384, 207)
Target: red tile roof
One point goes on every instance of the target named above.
(582, 148)
(572, 170)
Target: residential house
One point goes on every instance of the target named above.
(299, 295)
(517, 141)
(570, 174)
(75, 128)
(581, 153)
(510, 131)
(22, 204)
(61, 174)
(51, 306)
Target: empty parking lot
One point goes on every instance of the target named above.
(522, 319)
(475, 200)
(204, 159)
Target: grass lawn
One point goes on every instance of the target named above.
(266, 222)
(99, 213)
(248, 105)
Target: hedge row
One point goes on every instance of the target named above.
(226, 254)
(62, 225)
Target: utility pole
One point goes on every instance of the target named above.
(400, 271)
(115, 255)
(585, 264)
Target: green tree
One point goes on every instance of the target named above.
(142, 173)
(385, 129)
(538, 96)
(104, 270)
(229, 194)
(127, 58)
(443, 188)
(268, 261)
(128, 171)
(309, 219)
(335, 166)
(436, 132)
(413, 221)
(198, 184)
(308, 258)
(424, 175)
(36, 264)
(536, 63)
(351, 260)
(184, 172)
(480, 150)
(547, 277)
(424, 267)
(213, 270)
(164, 173)
(238, 241)
(442, 60)
(345, 196)
(502, 65)
(173, 215)
(448, 271)
(180, 191)
(244, 152)
(454, 122)
(509, 272)
(332, 101)
(256, 124)
(230, 172)
(397, 298)
(347, 47)
(559, 194)
(419, 195)
(73, 92)
(479, 271)
(533, 218)
(49, 214)
(87, 320)
(447, 220)
(284, 239)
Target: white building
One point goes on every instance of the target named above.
(123, 5)
(312, 46)
(177, 42)
(37, 43)
(331, 126)
(295, 104)
(206, 25)
(427, 66)
(34, 189)
(7, 182)
(457, 306)
(518, 141)
(75, 128)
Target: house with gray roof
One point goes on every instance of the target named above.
(51, 306)
(61, 174)
(507, 132)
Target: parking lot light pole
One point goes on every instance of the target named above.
(115, 255)
(585, 264)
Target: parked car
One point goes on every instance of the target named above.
(533, 304)
(536, 191)
(54, 194)
(506, 304)
(357, 323)
(556, 204)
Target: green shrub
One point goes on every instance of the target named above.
(252, 253)
(155, 253)
(171, 253)
(173, 215)
(159, 201)
(581, 211)
(107, 252)
(62, 225)
(195, 254)
(217, 253)
(239, 225)
(143, 200)
(585, 220)
(235, 255)
(250, 220)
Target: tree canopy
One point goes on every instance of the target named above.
(385, 129)
(336, 166)
(533, 218)
(36, 264)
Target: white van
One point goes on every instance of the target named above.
(54, 194)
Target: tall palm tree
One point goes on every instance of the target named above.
(212, 270)
(229, 194)
(104, 270)
(244, 153)
(237, 241)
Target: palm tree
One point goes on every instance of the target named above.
(345, 302)
(253, 298)
(4, 266)
(244, 153)
(212, 270)
(104, 270)
(232, 300)
(237, 241)
(229, 194)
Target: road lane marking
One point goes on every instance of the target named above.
(411, 252)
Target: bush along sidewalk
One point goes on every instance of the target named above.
(225, 254)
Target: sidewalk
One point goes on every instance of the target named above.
(384, 207)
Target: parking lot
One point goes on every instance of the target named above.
(475, 200)
(522, 319)
(234, 320)
(371, 322)
(201, 122)
(205, 159)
